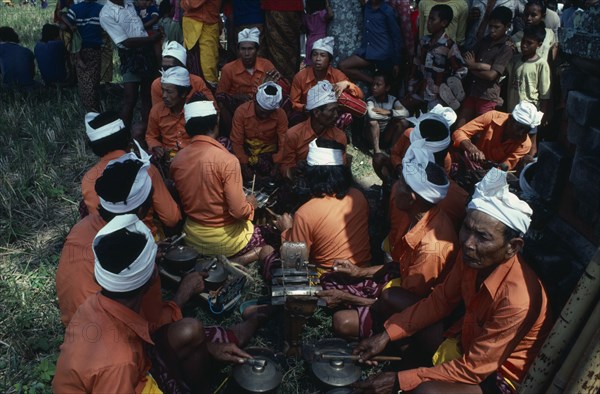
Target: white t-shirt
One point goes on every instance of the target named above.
(121, 23)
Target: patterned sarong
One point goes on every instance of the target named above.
(283, 41)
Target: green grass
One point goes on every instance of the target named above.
(42, 158)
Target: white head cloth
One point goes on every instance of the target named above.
(447, 112)
(492, 196)
(432, 146)
(139, 271)
(324, 44)
(140, 189)
(414, 163)
(249, 35)
(318, 156)
(320, 94)
(527, 114)
(267, 101)
(198, 109)
(103, 131)
(176, 50)
(179, 76)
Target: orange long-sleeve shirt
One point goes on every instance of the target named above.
(246, 125)
(297, 139)
(103, 350)
(305, 79)
(196, 82)
(162, 203)
(505, 323)
(75, 274)
(235, 79)
(209, 181)
(333, 229)
(205, 11)
(166, 129)
(426, 252)
(490, 128)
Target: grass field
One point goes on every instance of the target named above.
(42, 159)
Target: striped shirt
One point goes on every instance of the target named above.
(86, 16)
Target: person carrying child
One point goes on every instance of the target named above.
(529, 78)
(438, 65)
(385, 113)
(487, 63)
(318, 14)
(148, 13)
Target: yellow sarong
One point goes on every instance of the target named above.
(151, 387)
(227, 240)
(257, 147)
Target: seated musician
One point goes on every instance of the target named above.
(424, 246)
(506, 315)
(209, 181)
(125, 352)
(258, 133)
(320, 70)
(175, 55)
(241, 78)
(109, 139)
(166, 126)
(502, 138)
(321, 102)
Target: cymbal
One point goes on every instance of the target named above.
(333, 371)
(258, 377)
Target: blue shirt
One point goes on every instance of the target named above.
(50, 57)
(16, 65)
(382, 39)
(146, 14)
(86, 16)
(247, 12)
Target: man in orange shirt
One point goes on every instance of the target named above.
(321, 70)
(506, 308)
(323, 107)
(109, 139)
(174, 55)
(424, 246)
(124, 352)
(166, 126)
(241, 78)
(258, 132)
(201, 30)
(503, 138)
(209, 181)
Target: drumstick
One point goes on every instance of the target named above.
(253, 180)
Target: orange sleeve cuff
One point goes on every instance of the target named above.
(409, 380)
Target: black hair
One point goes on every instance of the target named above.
(183, 91)
(510, 233)
(50, 32)
(7, 34)
(200, 125)
(120, 140)
(271, 90)
(436, 174)
(315, 5)
(329, 180)
(537, 32)
(329, 55)
(164, 8)
(143, 208)
(501, 14)
(116, 252)
(177, 62)
(387, 78)
(444, 12)
(256, 44)
(117, 180)
(539, 3)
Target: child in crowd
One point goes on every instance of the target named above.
(84, 18)
(148, 13)
(50, 55)
(456, 28)
(529, 77)
(438, 58)
(486, 65)
(318, 13)
(535, 12)
(172, 29)
(384, 112)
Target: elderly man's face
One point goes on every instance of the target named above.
(515, 130)
(247, 52)
(328, 115)
(482, 239)
(170, 95)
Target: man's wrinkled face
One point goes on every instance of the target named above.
(247, 52)
(515, 130)
(482, 239)
(170, 95)
(327, 115)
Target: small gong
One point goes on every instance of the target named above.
(258, 377)
(331, 371)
